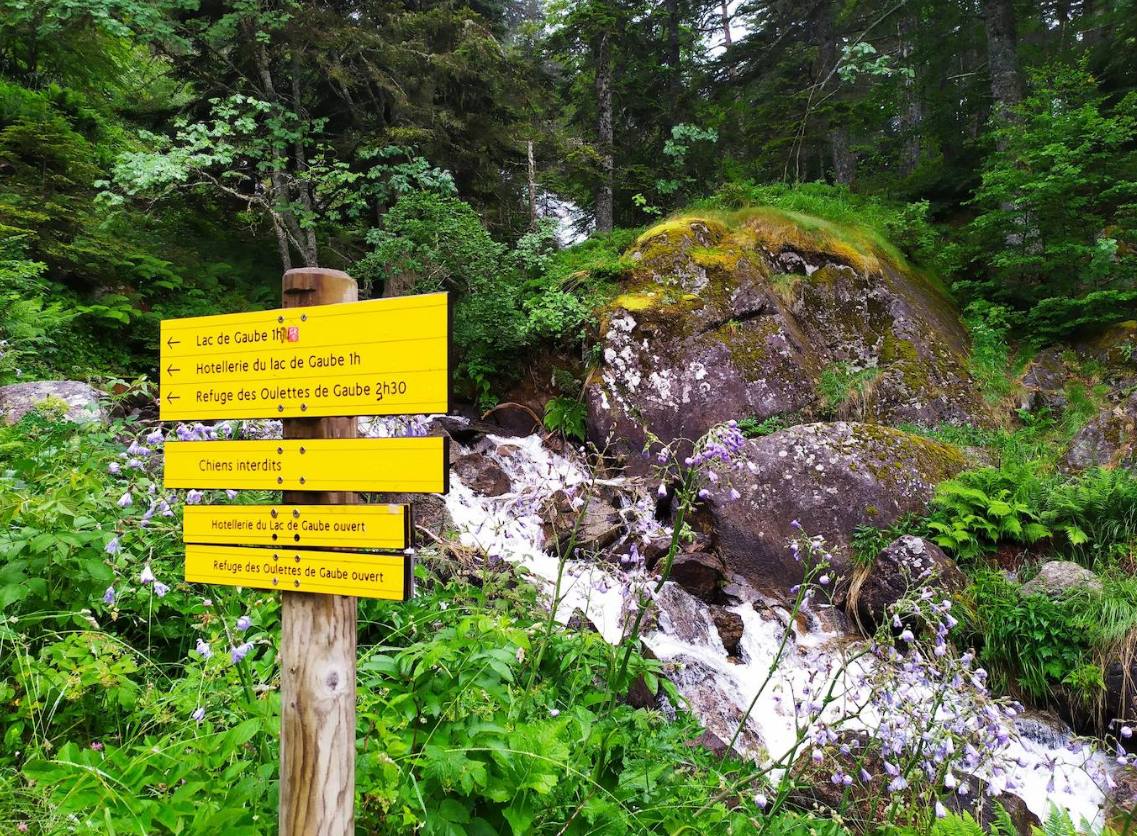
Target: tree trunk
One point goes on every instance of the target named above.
(1002, 57)
(725, 17)
(844, 160)
(284, 222)
(673, 56)
(604, 133)
(912, 109)
(532, 185)
(303, 186)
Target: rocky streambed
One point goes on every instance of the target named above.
(721, 654)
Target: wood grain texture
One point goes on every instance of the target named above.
(318, 641)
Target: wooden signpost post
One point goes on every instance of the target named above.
(318, 364)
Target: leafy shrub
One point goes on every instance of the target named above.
(751, 427)
(989, 360)
(29, 323)
(566, 416)
(1056, 228)
(902, 227)
(979, 509)
(1096, 515)
(1041, 645)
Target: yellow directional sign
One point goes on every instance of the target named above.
(389, 577)
(382, 357)
(387, 527)
(392, 465)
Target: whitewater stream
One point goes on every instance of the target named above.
(1043, 763)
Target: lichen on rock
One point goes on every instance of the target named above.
(731, 315)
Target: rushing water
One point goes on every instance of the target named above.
(1048, 764)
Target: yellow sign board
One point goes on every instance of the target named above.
(387, 527)
(381, 357)
(391, 465)
(389, 577)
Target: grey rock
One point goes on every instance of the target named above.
(721, 323)
(1043, 383)
(1107, 440)
(589, 527)
(904, 566)
(1059, 577)
(830, 478)
(83, 403)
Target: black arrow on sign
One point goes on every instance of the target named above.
(171, 342)
(170, 369)
(171, 397)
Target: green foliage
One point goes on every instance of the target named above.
(1096, 515)
(979, 509)
(1042, 645)
(28, 323)
(990, 358)
(895, 227)
(507, 299)
(841, 384)
(1056, 227)
(566, 416)
(751, 427)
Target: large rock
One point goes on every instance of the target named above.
(1056, 578)
(77, 401)
(1108, 440)
(585, 524)
(1121, 800)
(829, 477)
(774, 314)
(1044, 382)
(907, 564)
(700, 573)
(481, 473)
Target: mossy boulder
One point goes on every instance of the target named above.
(830, 478)
(761, 313)
(69, 399)
(1109, 439)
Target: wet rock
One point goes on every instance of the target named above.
(865, 802)
(1108, 440)
(481, 474)
(684, 617)
(1121, 800)
(579, 622)
(465, 430)
(714, 744)
(700, 573)
(76, 401)
(639, 695)
(729, 626)
(1056, 578)
(699, 684)
(829, 477)
(1120, 701)
(906, 564)
(589, 524)
(428, 512)
(718, 322)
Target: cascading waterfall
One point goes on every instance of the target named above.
(1049, 765)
